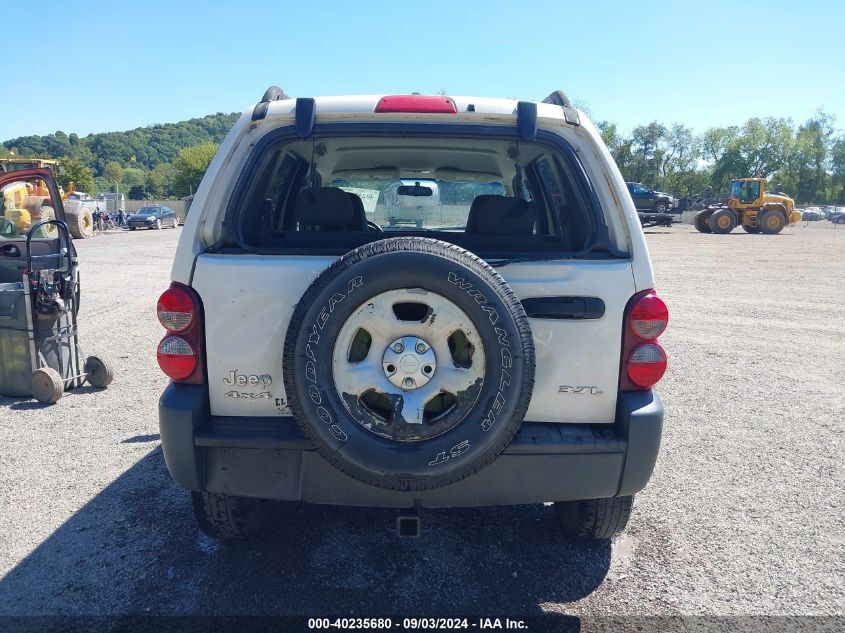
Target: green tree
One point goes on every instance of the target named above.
(680, 151)
(159, 181)
(137, 192)
(190, 166)
(101, 184)
(76, 172)
(837, 164)
(647, 152)
(760, 147)
(113, 172)
(805, 175)
(133, 176)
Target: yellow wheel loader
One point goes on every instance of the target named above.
(78, 216)
(751, 207)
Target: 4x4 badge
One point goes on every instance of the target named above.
(243, 395)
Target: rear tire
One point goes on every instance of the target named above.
(594, 518)
(723, 221)
(46, 385)
(700, 222)
(771, 222)
(227, 517)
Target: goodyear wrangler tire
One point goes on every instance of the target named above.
(409, 363)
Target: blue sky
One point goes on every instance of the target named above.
(101, 66)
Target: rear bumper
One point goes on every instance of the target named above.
(270, 458)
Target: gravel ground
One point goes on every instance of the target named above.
(744, 514)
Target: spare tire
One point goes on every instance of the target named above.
(79, 220)
(409, 363)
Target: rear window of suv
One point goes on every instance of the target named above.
(329, 194)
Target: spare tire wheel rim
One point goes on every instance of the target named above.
(340, 355)
(408, 364)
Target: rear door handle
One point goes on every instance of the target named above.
(10, 250)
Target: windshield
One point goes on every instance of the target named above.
(736, 188)
(746, 190)
(147, 211)
(434, 204)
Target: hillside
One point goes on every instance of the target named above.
(144, 146)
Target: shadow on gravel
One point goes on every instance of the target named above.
(134, 549)
(142, 439)
(25, 405)
(28, 403)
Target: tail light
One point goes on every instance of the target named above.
(643, 359)
(416, 103)
(175, 309)
(180, 353)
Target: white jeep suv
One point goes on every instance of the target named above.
(499, 349)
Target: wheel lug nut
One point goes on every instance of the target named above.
(408, 382)
(398, 348)
(421, 348)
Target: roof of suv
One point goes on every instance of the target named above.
(555, 106)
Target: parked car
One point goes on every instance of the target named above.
(837, 215)
(318, 356)
(404, 208)
(153, 217)
(646, 199)
(812, 214)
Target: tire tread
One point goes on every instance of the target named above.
(595, 518)
(228, 517)
(477, 266)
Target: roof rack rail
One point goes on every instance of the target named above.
(273, 93)
(559, 98)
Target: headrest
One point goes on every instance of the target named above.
(359, 215)
(499, 215)
(324, 206)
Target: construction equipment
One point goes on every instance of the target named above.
(17, 164)
(750, 206)
(23, 204)
(77, 214)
